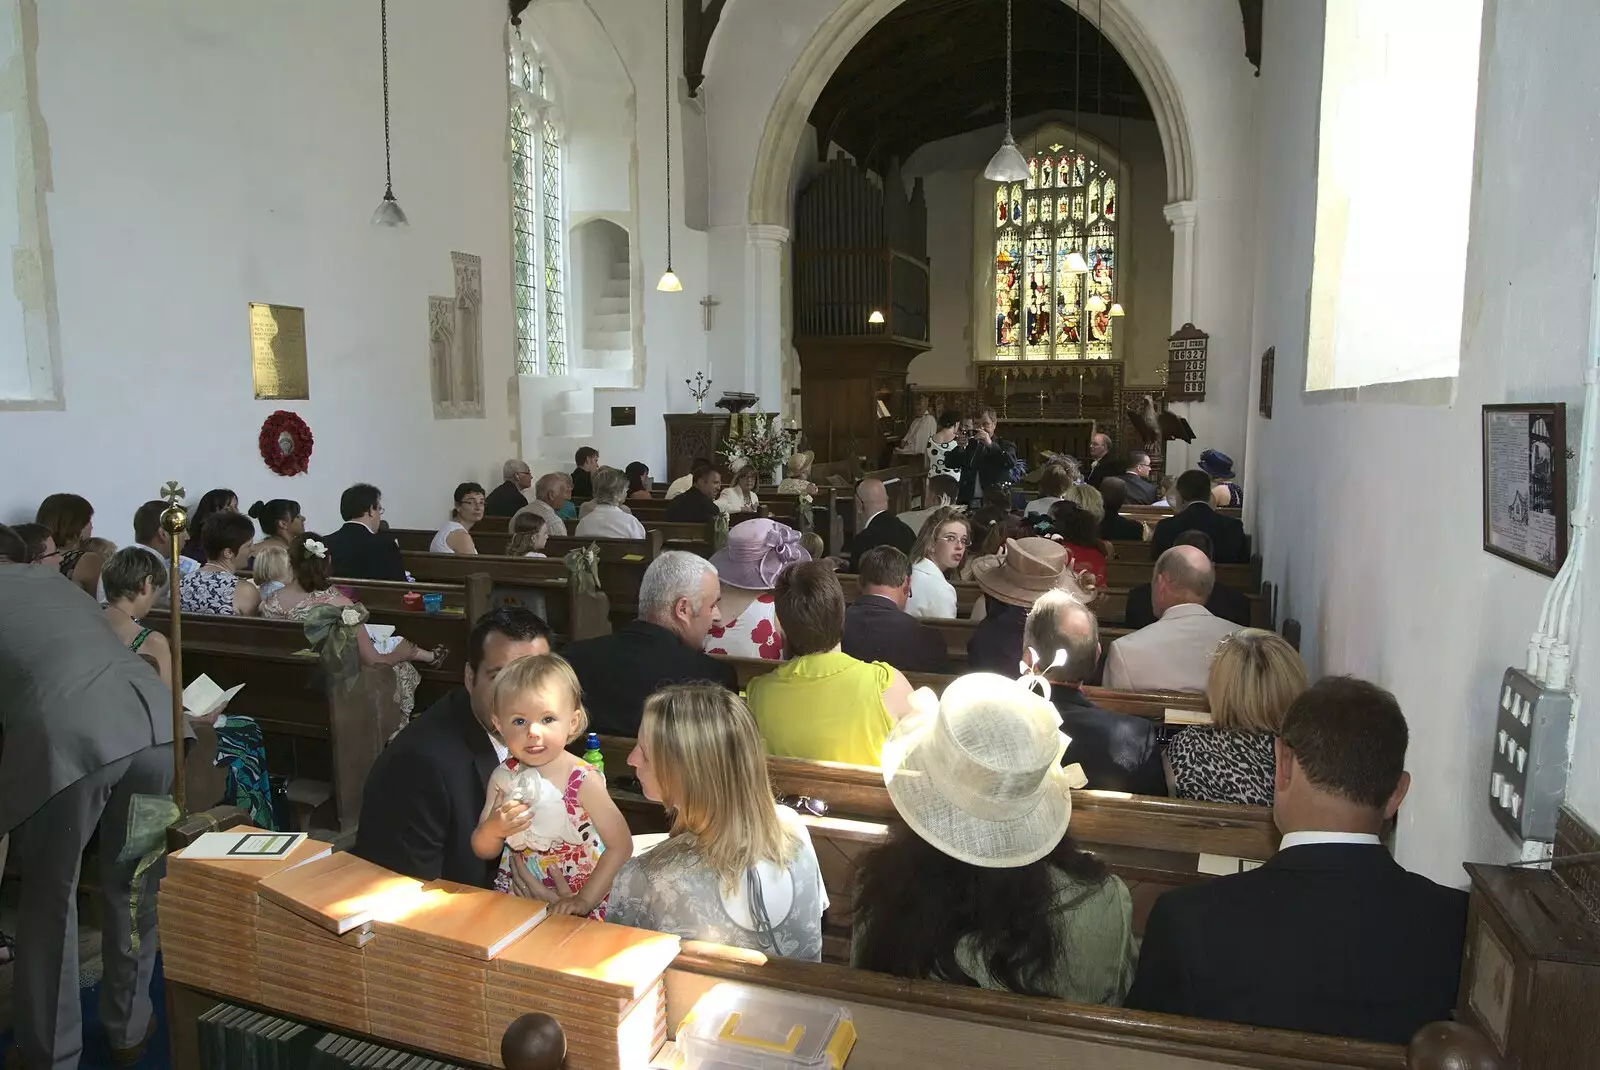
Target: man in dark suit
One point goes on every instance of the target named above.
(1330, 935)
(424, 795)
(1224, 601)
(986, 461)
(359, 552)
(511, 495)
(875, 525)
(877, 627)
(1136, 480)
(587, 460)
(1118, 752)
(1227, 533)
(678, 605)
(1101, 463)
(698, 504)
(1113, 492)
(87, 726)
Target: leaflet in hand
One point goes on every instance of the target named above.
(384, 641)
(203, 697)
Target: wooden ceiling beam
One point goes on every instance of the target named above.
(699, 25)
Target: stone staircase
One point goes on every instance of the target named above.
(558, 411)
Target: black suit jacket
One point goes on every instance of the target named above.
(358, 554)
(1140, 490)
(1323, 938)
(619, 671)
(996, 643)
(1117, 526)
(991, 465)
(1098, 470)
(425, 793)
(875, 629)
(691, 507)
(1225, 602)
(1118, 752)
(504, 500)
(885, 530)
(1228, 544)
(582, 483)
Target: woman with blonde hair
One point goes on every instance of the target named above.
(737, 868)
(937, 554)
(529, 534)
(271, 570)
(1255, 676)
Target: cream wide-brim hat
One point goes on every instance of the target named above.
(979, 777)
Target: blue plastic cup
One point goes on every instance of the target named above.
(432, 603)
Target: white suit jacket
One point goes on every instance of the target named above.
(1173, 654)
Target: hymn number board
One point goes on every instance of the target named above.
(1186, 364)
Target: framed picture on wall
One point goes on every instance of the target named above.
(1525, 484)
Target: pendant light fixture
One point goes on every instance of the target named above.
(669, 279)
(1007, 164)
(388, 212)
(876, 317)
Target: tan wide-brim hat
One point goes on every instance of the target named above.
(1023, 570)
(800, 461)
(980, 777)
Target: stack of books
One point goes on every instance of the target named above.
(238, 1036)
(312, 924)
(206, 911)
(602, 983)
(428, 968)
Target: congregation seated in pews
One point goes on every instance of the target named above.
(968, 872)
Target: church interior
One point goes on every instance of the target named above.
(1342, 245)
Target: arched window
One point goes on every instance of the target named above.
(537, 218)
(1069, 205)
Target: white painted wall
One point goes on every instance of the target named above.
(203, 156)
(950, 170)
(1368, 512)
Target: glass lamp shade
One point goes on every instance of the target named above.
(1116, 309)
(388, 213)
(1007, 165)
(1096, 303)
(1076, 263)
(669, 283)
(876, 317)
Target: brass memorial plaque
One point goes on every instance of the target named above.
(278, 352)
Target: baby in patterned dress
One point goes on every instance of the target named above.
(546, 811)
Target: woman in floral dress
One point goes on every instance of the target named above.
(748, 566)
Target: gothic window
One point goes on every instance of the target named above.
(1043, 308)
(537, 217)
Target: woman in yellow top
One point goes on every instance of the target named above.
(823, 704)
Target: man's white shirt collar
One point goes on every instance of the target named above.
(1302, 839)
(501, 751)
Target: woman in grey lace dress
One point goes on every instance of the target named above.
(737, 869)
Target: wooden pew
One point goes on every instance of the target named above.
(322, 739)
(470, 598)
(539, 583)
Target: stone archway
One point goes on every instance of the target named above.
(770, 186)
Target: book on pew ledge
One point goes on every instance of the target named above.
(241, 872)
(203, 697)
(252, 846)
(341, 892)
(611, 961)
(1188, 717)
(460, 919)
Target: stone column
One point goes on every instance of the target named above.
(1181, 216)
(766, 247)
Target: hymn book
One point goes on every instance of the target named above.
(474, 922)
(203, 697)
(340, 892)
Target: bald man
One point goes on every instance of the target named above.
(1174, 653)
(1101, 463)
(875, 525)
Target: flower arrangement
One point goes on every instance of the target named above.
(762, 443)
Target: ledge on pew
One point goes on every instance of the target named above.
(469, 598)
(911, 1025)
(540, 584)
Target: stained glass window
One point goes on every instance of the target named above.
(1067, 205)
(537, 219)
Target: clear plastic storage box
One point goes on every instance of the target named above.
(757, 1029)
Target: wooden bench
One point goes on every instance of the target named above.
(538, 583)
(1131, 564)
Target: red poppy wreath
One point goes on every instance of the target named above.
(286, 443)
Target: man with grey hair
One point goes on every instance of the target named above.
(678, 606)
(549, 495)
(1118, 752)
(511, 495)
(1174, 653)
(1100, 460)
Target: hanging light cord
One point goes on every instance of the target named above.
(666, 100)
(1008, 67)
(388, 173)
